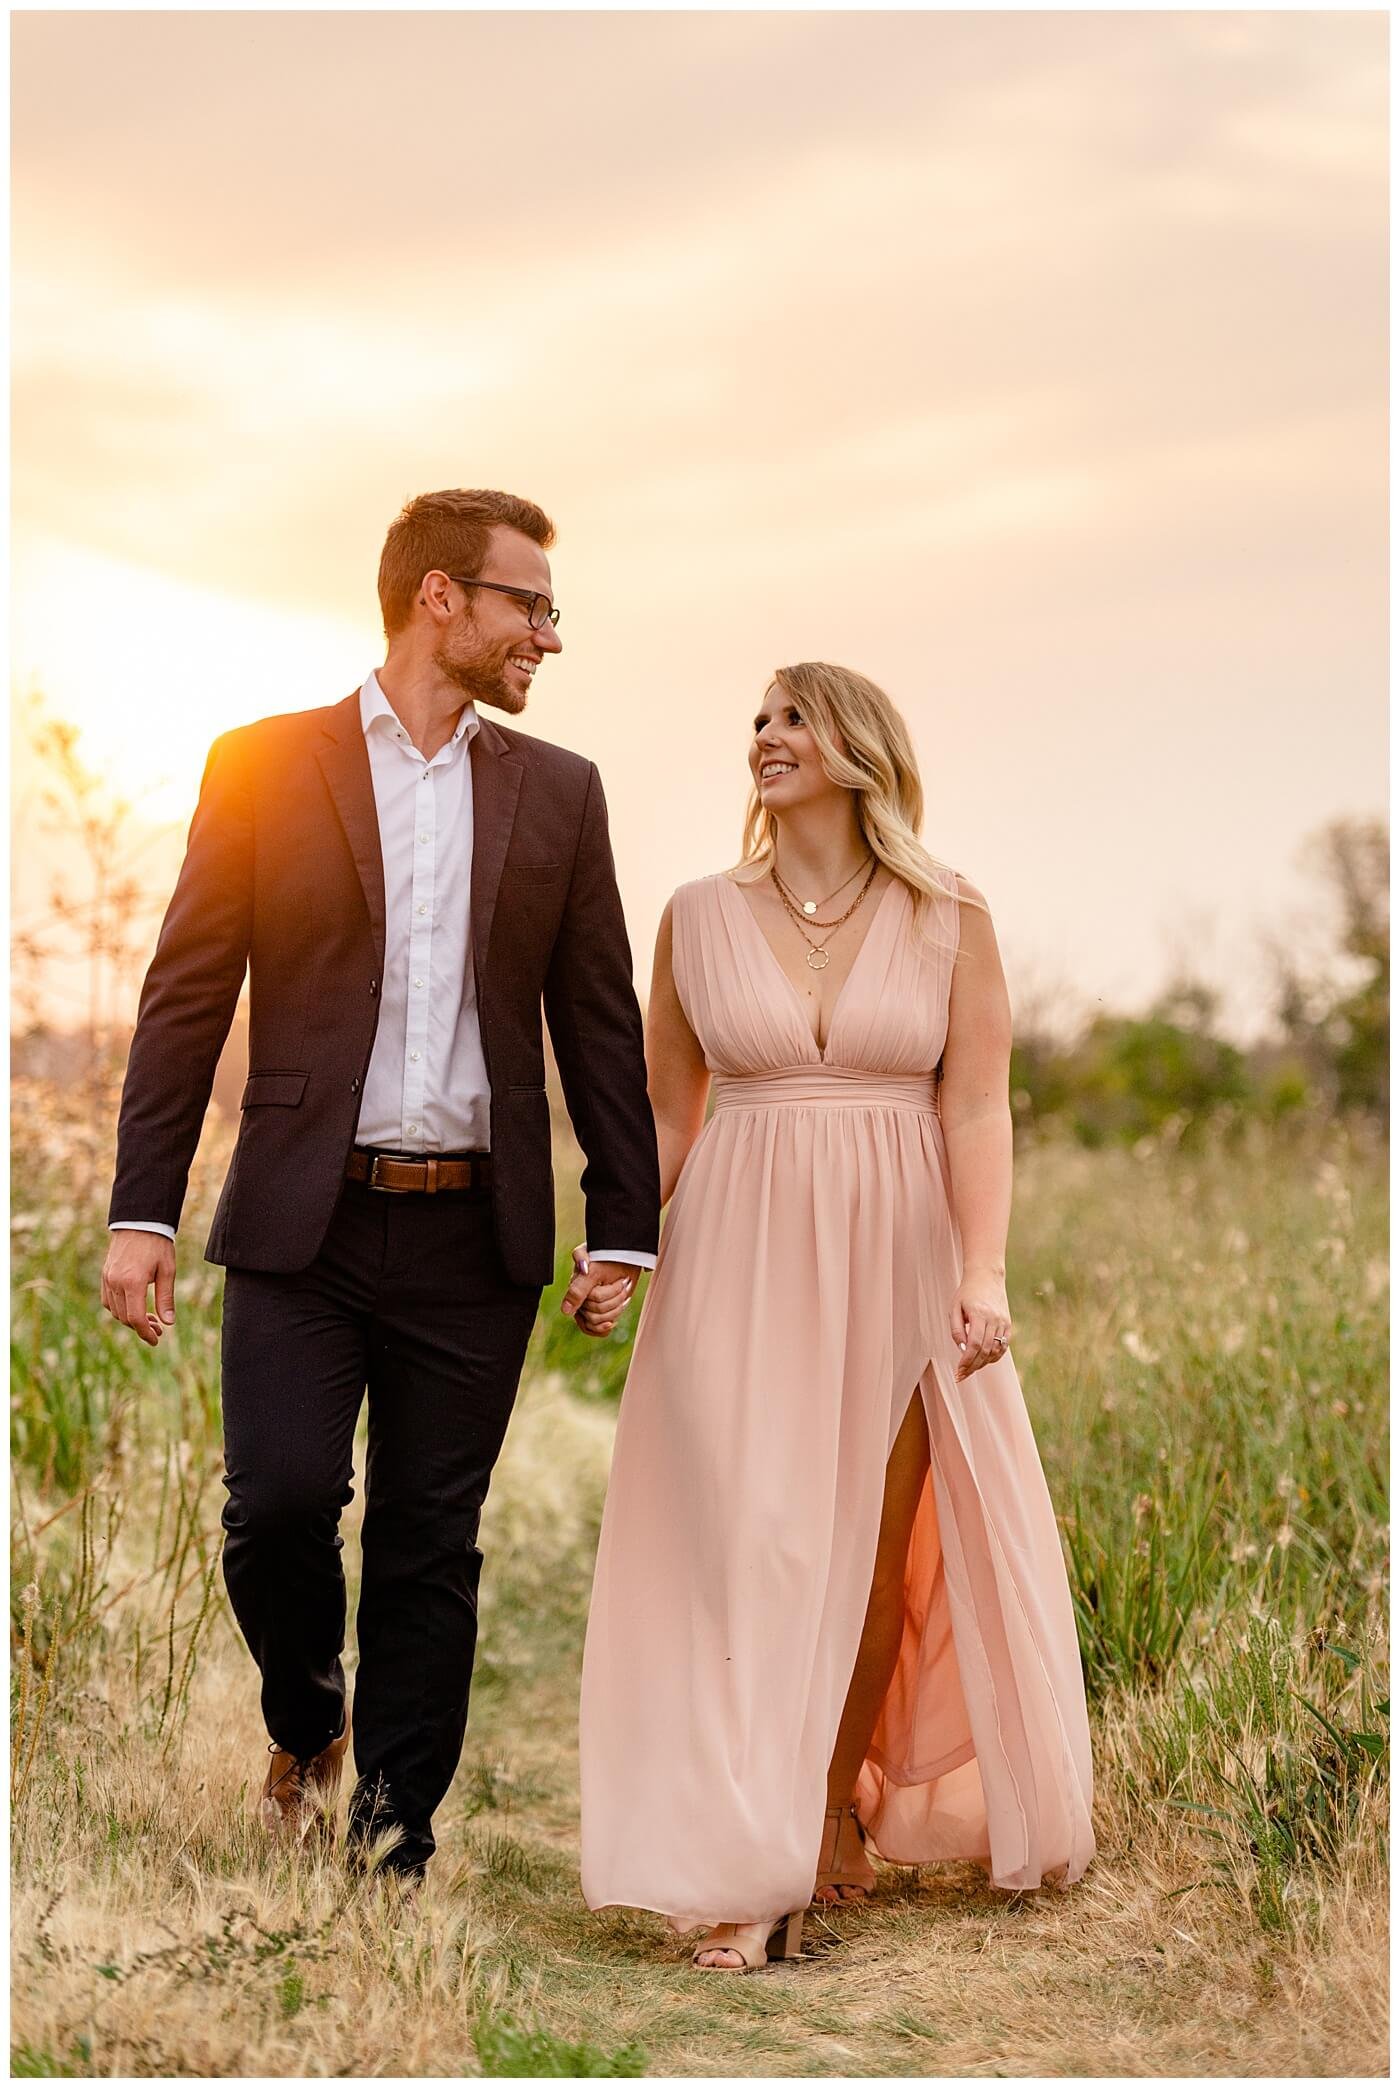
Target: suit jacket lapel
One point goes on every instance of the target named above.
(344, 760)
(496, 775)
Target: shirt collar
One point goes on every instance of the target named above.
(377, 713)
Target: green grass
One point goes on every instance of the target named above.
(27, 2064)
(507, 2048)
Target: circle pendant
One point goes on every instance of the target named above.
(818, 959)
(809, 906)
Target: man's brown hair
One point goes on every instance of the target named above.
(448, 533)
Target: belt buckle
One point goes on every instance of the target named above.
(384, 1188)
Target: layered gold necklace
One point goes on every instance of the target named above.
(818, 956)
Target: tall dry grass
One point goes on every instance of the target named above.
(1202, 1341)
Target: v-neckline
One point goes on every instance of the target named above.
(778, 966)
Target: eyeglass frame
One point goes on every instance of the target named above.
(522, 594)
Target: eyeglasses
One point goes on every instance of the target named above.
(539, 611)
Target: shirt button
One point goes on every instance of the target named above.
(418, 982)
(355, 1085)
(415, 1056)
(422, 837)
(373, 987)
(413, 1128)
(422, 909)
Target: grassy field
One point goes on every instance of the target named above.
(1201, 1335)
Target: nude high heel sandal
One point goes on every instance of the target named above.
(850, 1880)
(749, 1942)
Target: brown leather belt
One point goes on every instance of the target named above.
(426, 1176)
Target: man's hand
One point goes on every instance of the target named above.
(597, 1294)
(135, 1261)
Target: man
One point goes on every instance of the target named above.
(406, 884)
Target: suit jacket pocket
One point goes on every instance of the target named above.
(284, 1088)
(536, 873)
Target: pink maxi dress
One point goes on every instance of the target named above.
(800, 1301)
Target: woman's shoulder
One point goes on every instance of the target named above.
(954, 884)
(688, 904)
(697, 890)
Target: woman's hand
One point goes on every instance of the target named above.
(980, 1319)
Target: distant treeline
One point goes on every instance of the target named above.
(1125, 1077)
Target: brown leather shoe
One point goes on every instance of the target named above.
(298, 1795)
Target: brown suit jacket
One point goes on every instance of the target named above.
(283, 878)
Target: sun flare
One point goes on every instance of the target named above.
(151, 669)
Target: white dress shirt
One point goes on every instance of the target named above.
(426, 1090)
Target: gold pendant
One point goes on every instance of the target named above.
(818, 959)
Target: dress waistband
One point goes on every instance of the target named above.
(830, 1087)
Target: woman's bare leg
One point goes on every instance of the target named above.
(884, 1616)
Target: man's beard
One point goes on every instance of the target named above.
(482, 679)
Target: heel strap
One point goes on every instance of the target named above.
(832, 1872)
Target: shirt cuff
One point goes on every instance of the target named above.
(622, 1254)
(141, 1225)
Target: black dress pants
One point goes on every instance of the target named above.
(408, 1298)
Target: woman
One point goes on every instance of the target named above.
(830, 1608)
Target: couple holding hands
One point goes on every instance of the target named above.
(830, 1613)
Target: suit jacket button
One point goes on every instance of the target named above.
(355, 1085)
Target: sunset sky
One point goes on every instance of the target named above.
(1033, 364)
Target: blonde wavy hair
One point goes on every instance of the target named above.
(879, 766)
